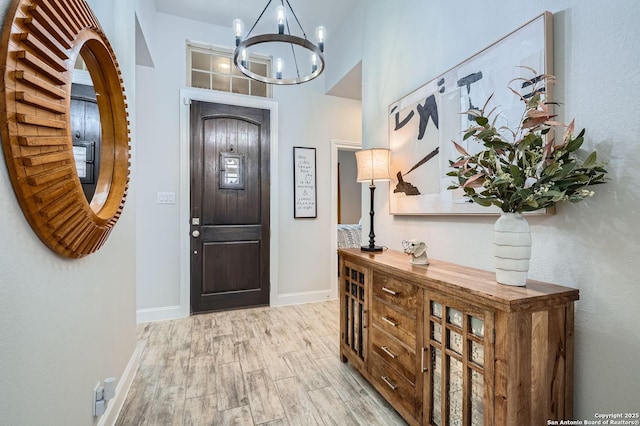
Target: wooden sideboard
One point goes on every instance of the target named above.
(447, 345)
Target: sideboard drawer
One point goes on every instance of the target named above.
(394, 322)
(396, 292)
(397, 355)
(397, 389)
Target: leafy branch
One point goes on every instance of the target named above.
(529, 170)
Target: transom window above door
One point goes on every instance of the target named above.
(212, 68)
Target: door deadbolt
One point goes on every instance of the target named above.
(195, 233)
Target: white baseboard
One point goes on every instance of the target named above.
(122, 389)
(302, 297)
(174, 312)
(161, 314)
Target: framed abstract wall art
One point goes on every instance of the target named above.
(423, 124)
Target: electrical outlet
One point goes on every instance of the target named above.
(99, 409)
(98, 400)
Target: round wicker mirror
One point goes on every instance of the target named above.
(41, 41)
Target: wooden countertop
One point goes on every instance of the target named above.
(463, 280)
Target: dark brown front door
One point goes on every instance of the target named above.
(229, 207)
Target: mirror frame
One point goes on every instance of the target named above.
(41, 41)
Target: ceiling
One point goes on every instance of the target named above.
(329, 13)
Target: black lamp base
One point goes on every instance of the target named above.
(371, 249)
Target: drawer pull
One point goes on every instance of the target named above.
(388, 352)
(388, 290)
(388, 382)
(388, 321)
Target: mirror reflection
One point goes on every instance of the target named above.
(86, 132)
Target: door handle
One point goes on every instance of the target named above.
(195, 234)
(424, 367)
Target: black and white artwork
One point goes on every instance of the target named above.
(423, 124)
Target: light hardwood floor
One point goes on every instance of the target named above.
(261, 366)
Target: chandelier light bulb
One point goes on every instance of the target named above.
(280, 16)
(238, 28)
(321, 34)
(314, 62)
(279, 65)
(243, 58)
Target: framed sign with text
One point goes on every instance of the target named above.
(304, 183)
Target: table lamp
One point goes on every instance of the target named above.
(373, 165)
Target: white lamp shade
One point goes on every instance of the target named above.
(373, 164)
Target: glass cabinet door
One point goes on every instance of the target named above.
(456, 340)
(354, 309)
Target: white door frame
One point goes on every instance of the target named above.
(335, 146)
(186, 96)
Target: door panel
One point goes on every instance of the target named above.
(230, 199)
(231, 206)
(220, 273)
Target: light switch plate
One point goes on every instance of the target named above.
(166, 198)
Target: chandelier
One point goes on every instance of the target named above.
(298, 60)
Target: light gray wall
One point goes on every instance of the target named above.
(349, 188)
(346, 44)
(594, 245)
(145, 12)
(65, 324)
(306, 118)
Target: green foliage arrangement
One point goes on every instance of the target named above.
(526, 170)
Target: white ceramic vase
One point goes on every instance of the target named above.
(512, 249)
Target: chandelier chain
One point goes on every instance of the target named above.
(297, 20)
(293, 51)
(259, 17)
